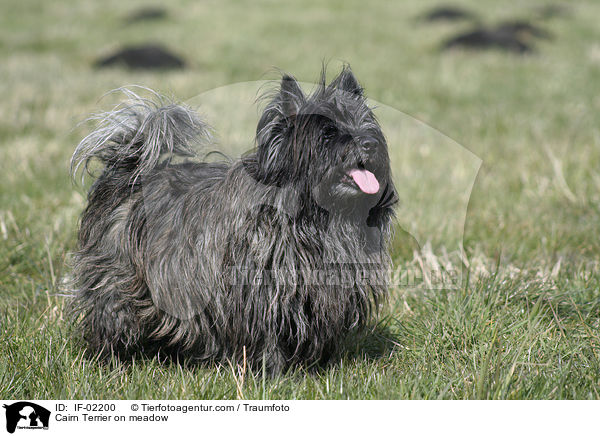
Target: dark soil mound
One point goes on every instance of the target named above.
(514, 36)
(148, 57)
(448, 13)
(523, 28)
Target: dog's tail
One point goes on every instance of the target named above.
(135, 135)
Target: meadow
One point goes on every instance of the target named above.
(496, 154)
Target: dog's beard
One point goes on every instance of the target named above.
(340, 194)
(355, 186)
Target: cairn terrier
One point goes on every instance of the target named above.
(274, 257)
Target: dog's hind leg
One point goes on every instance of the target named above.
(110, 319)
(108, 293)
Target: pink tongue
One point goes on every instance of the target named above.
(366, 181)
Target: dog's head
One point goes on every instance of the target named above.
(328, 145)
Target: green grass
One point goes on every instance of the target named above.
(525, 322)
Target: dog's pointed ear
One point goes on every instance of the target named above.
(273, 154)
(347, 82)
(291, 96)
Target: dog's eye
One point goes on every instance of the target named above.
(329, 133)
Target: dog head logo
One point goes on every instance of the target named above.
(26, 415)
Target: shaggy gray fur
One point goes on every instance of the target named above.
(279, 253)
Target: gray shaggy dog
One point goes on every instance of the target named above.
(274, 258)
